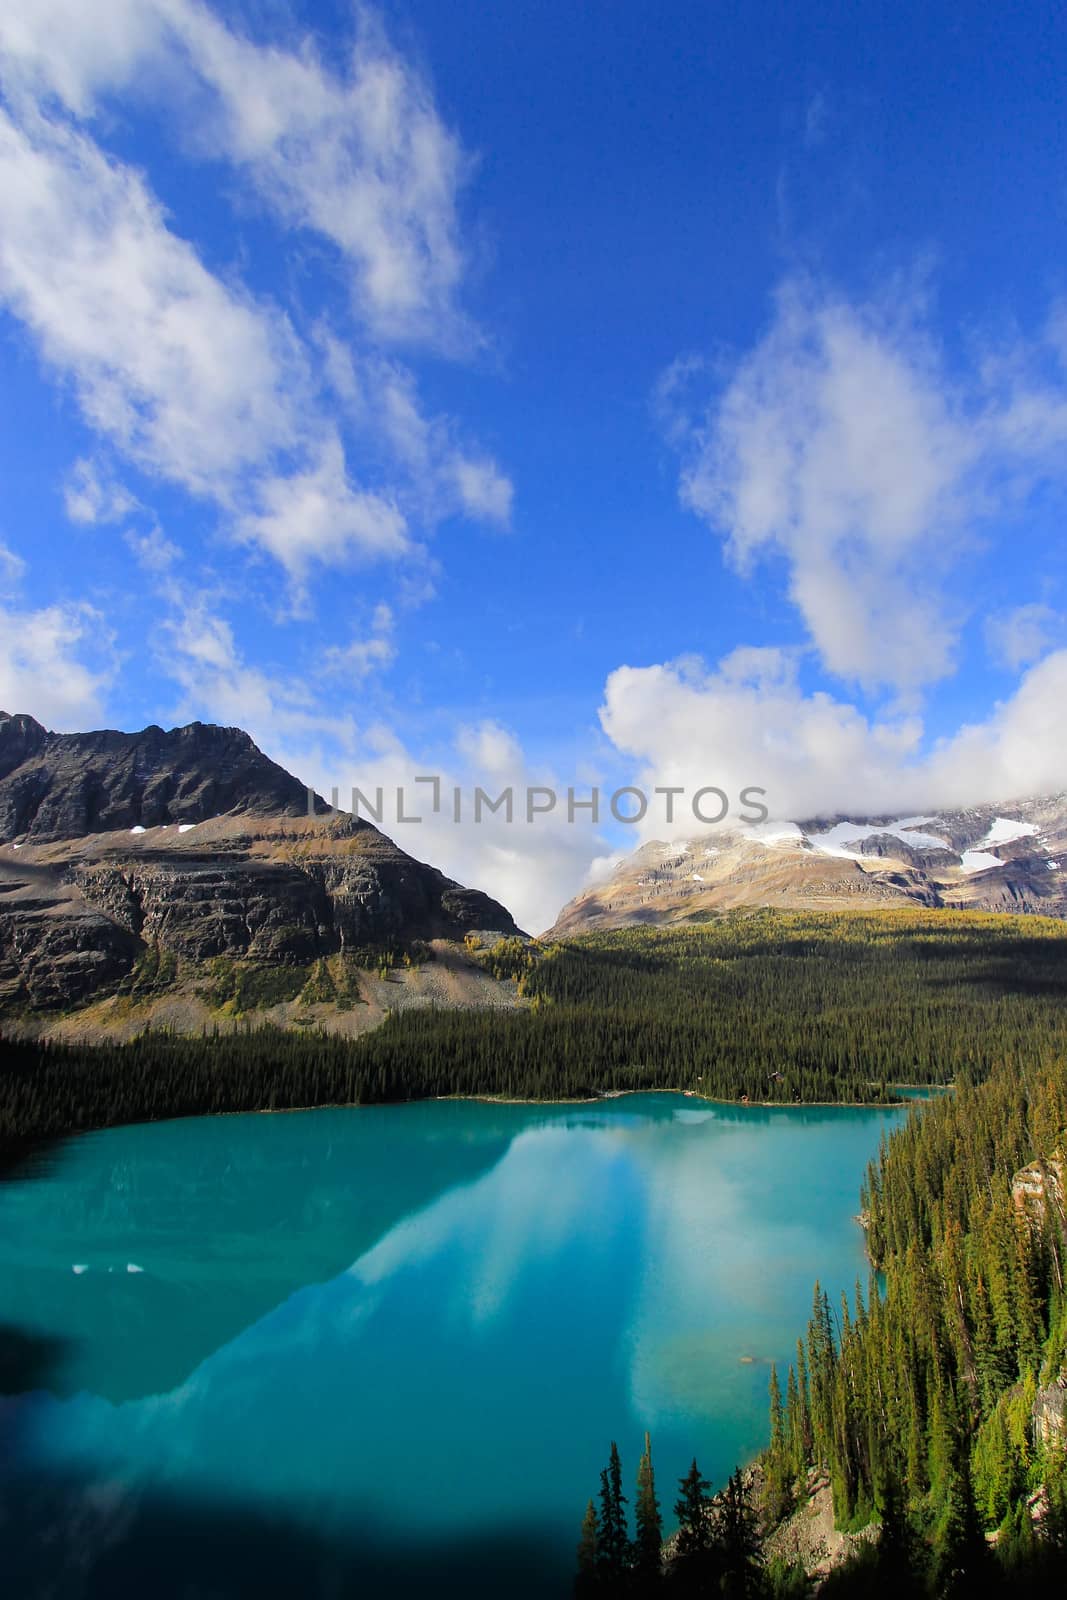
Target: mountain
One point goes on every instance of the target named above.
(1007, 857)
(136, 868)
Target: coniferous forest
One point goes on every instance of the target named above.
(764, 1006)
(931, 1402)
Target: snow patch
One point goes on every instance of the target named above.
(1005, 830)
(131, 1266)
(186, 827)
(696, 877)
(835, 840)
(1053, 866)
(137, 828)
(770, 834)
(978, 861)
(80, 1267)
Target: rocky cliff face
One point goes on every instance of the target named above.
(1009, 857)
(190, 843)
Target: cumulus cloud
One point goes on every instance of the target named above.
(747, 722)
(843, 442)
(155, 553)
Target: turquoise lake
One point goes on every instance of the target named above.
(384, 1350)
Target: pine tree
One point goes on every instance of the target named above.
(648, 1543)
(738, 1540)
(780, 1472)
(613, 1543)
(961, 1561)
(586, 1581)
(695, 1567)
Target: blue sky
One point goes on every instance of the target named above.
(542, 393)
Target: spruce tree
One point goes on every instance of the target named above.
(695, 1567)
(738, 1540)
(648, 1543)
(780, 1470)
(586, 1581)
(613, 1543)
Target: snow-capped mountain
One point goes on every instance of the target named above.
(1006, 857)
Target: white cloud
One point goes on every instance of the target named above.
(442, 475)
(841, 442)
(357, 660)
(748, 722)
(359, 156)
(319, 515)
(12, 569)
(54, 664)
(1017, 638)
(484, 491)
(532, 868)
(155, 553)
(190, 378)
(91, 496)
(202, 657)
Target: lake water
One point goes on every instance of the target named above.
(384, 1351)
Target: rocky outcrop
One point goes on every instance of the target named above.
(809, 1537)
(1050, 1414)
(191, 843)
(1037, 1192)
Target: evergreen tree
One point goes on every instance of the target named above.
(586, 1581)
(779, 1469)
(695, 1568)
(612, 1540)
(738, 1539)
(648, 1543)
(961, 1566)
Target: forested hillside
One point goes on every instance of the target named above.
(934, 1402)
(767, 1006)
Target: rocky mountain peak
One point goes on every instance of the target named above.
(1011, 856)
(183, 848)
(67, 785)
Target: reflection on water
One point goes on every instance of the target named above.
(409, 1325)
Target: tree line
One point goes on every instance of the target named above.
(765, 1007)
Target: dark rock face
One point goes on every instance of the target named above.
(66, 785)
(55, 949)
(194, 842)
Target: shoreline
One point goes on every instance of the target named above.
(16, 1147)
